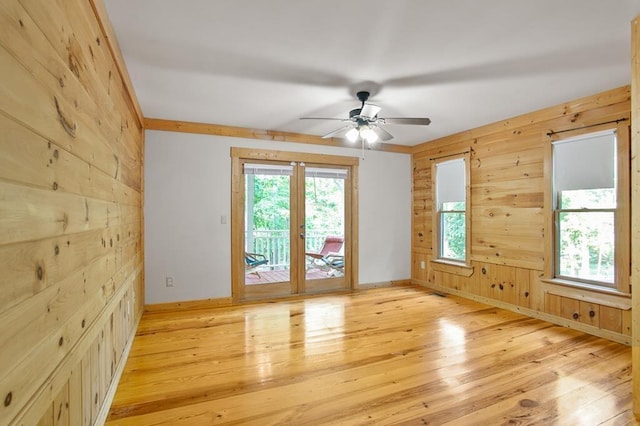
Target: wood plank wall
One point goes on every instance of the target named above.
(71, 252)
(635, 210)
(508, 215)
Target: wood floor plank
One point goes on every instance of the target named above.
(380, 356)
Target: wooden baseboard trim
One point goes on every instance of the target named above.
(228, 301)
(392, 283)
(585, 328)
(189, 305)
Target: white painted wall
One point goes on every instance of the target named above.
(188, 190)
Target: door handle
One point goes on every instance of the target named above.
(302, 235)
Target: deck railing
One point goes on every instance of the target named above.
(276, 245)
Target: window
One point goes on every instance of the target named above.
(451, 209)
(586, 209)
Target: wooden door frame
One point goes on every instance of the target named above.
(238, 155)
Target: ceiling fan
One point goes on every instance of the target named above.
(364, 124)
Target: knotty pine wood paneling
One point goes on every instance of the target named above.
(635, 202)
(508, 214)
(71, 255)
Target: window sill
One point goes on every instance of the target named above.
(452, 267)
(587, 292)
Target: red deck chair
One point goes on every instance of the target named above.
(328, 256)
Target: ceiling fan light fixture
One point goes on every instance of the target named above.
(352, 135)
(368, 134)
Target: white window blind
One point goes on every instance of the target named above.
(585, 162)
(326, 173)
(268, 169)
(450, 181)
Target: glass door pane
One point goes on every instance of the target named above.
(267, 223)
(324, 223)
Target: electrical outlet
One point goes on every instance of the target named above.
(169, 282)
(422, 265)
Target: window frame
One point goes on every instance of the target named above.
(437, 216)
(622, 244)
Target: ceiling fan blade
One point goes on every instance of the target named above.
(322, 118)
(382, 133)
(337, 132)
(419, 121)
(369, 110)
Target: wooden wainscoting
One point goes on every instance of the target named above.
(392, 355)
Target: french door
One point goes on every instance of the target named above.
(292, 223)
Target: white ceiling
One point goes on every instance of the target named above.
(463, 63)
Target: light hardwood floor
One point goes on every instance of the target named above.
(398, 355)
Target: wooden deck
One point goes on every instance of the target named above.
(278, 276)
(381, 356)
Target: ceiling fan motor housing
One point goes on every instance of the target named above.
(355, 112)
(354, 115)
